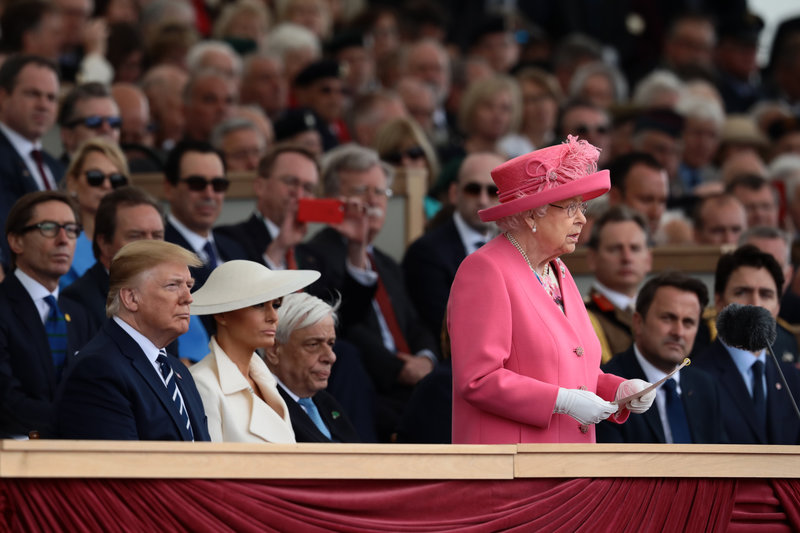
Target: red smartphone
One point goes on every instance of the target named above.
(327, 210)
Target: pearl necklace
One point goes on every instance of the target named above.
(545, 271)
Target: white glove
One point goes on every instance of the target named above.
(584, 406)
(632, 386)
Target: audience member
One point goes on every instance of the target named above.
(371, 111)
(658, 133)
(241, 142)
(719, 219)
(641, 183)
(704, 119)
(208, 99)
(136, 126)
(122, 384)
(489, 111)
(588, 122)
(619, 258)
(33, 27)
(164, 86)
(319, 87)
(87, 111)
(214, 55)
(600, 84)
(299, 126)
(263, 83)
(39, 331)
(759, 198)
(689, 44)
(541, 97)
(688, 405)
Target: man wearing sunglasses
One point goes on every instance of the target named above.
(87, 111)
(195, 188)
(588, 122)
(39, 331)
(431, 262)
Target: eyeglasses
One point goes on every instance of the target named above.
(586, 129)
(199, 183)
(293, 182)
(94, 122)
(50, 229)
(96, 178)
(395, 158)
(572, 209)
(474, 189)
(363, 190)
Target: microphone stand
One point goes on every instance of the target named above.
(783, 379)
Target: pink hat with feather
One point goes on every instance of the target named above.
(545, 176)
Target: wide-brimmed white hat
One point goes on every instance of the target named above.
(238, 284)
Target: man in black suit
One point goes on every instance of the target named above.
(41, 230)
(287, 173)
(195, 188)
(756, 408)
(28, 94)
(124, 215)
(301, 360)
(122, 385)
(668, 312)
(376, 313)
(431, 262)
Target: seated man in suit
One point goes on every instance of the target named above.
(301, 360)
(620, 259)
(667, 314)
(431, 262)
(286, 173)
(195, 188)
(125, 215)
(755, 407)
(39, 331)
(122, 384)
(376, 313)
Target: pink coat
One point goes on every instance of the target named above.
(512, 348)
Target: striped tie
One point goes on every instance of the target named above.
(172, 388)
(56, 327)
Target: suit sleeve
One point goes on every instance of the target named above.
(19, 411)
(428, 286)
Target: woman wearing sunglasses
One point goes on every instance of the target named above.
(97, 167)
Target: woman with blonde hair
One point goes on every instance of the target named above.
(490, 110)
(97, 167)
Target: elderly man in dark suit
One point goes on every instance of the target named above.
(195, 189)
(688, 409)
(431, 262)
(39, 330)
(28, 102)
(123, 385)
(301, 360)
(376, 313)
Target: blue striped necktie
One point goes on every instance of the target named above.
(313, 414)
(172, 388)
(56, 327)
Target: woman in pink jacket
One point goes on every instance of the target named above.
(526, 361)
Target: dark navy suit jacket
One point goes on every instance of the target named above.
(16, 181)
(332, 415)
(739, 417)
(28, 381)
(228, 250)
(430, 265)
(700, 397)
(251, 235)
(113, 392)
(90, 291)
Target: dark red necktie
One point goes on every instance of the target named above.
(37, 156)
(291, 264)
(387, 310)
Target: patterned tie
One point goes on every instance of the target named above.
(211, 255)
(387, 310)
(676, 416)
(56, 327)
(37, 157)
(172, 388)
(759, 399)
(313, 414)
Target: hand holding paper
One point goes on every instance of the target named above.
(637, 404)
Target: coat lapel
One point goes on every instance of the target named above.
(31, 323)
(652, 417)
(732, 381)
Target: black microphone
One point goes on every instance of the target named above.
(751, 328)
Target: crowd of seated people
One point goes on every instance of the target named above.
(323, 99)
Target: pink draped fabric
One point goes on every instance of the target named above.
(617, 505)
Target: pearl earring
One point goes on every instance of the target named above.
(533, 228)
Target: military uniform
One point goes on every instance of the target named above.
(613, 326)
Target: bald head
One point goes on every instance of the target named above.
(135, 114)
(474, 189)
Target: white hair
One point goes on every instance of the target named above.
(612, 73)
(288, 37)
(652, 86)
(786, 168)
(196, 56)
(701, 108)
(300, 310)
(350, 157)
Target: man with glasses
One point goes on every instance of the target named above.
(431, 262)
(195, 190)
(377, 315)
(588, 122)
(39, 332)
(87, 111)
(28, 93)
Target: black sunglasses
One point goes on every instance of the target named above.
(96, 178)
(94, 122)
(50, 229)
(199, 183)
(474, 189)
(395, 158)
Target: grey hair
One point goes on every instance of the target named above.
(249, 59)
(584, 72)
(701, 108)
(655, 84)
(228, 126)
(300, 310)
(516, 222)
(199, 75)
(287, 37)
(768, 232)
(350, 158)
(786, 168)
(194, 59)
